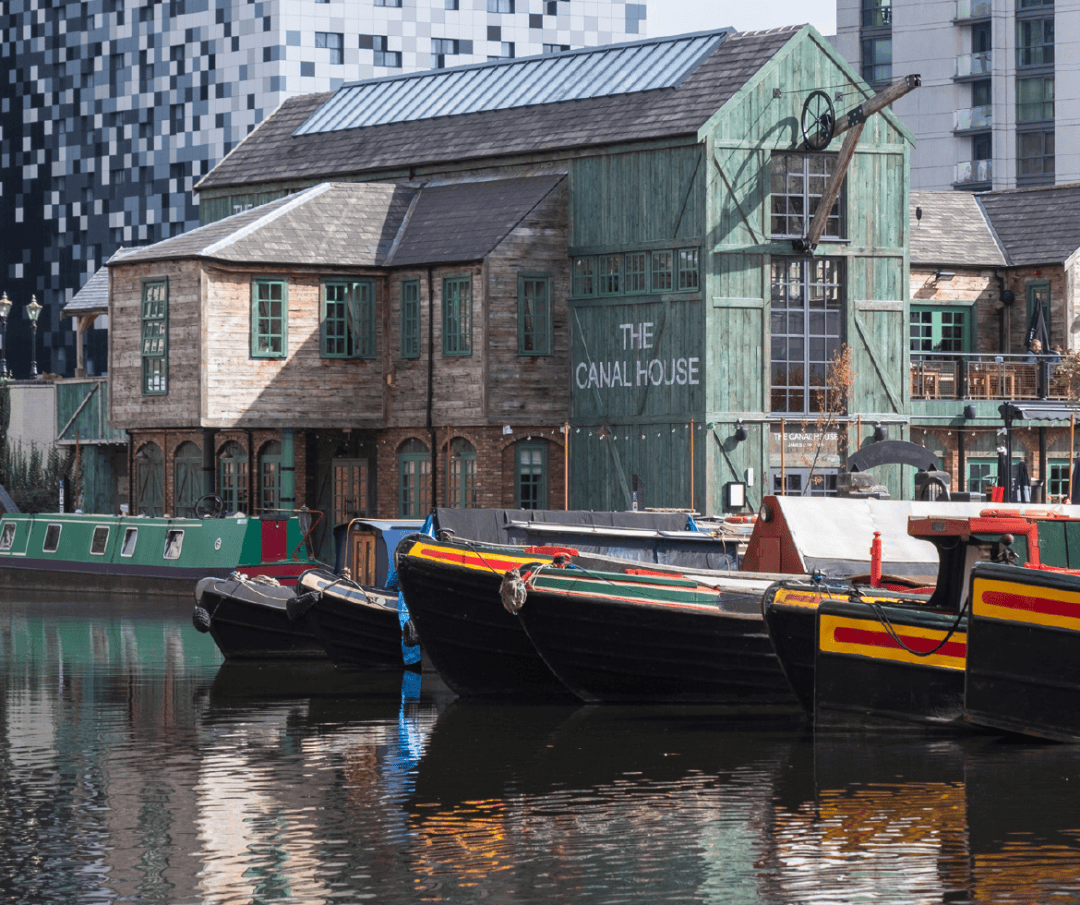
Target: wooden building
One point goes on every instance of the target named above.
(645, 285)
(980, 265)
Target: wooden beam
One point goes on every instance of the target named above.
(852, 123)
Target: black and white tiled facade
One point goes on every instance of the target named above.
(111, 110)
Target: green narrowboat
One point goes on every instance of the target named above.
(146, 556)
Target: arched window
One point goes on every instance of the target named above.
(414, 479)
(461, 486)
(233, 477)
(531, 475)
(149, 480)
(187, 479)
(270, 477)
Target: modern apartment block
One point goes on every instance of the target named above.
(112, 109)
(999, 105)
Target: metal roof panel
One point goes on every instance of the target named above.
(573, 75)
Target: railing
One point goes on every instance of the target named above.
(984, 376)
(970, 171)
(969, 65)
(973, 9)
(973, 118)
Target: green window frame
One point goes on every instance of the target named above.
(270, 463)
(610, 274)
(534, 314)
(155, 337)
(233, 477)
(982, 475)
(531, 476)
(585, 276)
(414, 479)
(1038, 291)
(661, 271)
(461, 489)
(687, 272)
(457, 316)
(1057, 480)
(410, 319)
(635, 274)
(940, 328)
(269, 318)
(348, 319)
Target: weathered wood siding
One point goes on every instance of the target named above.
(129, 409)
(763, 119)
(541, 391)
(636, 364)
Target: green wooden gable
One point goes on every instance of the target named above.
(664, 369)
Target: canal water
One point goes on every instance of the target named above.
(136, 767)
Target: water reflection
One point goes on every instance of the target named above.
(135, 766)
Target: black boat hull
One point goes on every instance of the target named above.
(607, 649)
(479, 649)
(357, 627)
(1023, 667)
(889, 662)
(248, 620)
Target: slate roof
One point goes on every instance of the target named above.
(93, 298)
(951, 230)
(1036, 225)
(363, 225)
(465, 221)
(272, 152)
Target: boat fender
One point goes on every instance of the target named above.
(296, 607)
(200, 618)
(512, 592)
(409, 634)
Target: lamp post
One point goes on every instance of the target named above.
(5, 310)
(33, 311)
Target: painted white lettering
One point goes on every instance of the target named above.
(656, 372)
(582, 381)
(692, 371)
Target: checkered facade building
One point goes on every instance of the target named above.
(111, 110)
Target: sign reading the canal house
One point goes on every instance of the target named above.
(636, 369)
(803, 446)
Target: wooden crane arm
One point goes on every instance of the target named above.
(852, 123)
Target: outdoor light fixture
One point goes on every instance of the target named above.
(740, 431)
(33, 311)
(5, 310)
(969, 411)
(880, 433)
(943, 276)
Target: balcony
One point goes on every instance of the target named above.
(970, 172)
(973, 9)
(973, 118)
(973, 65)
(983, 376)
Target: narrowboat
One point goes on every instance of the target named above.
(451, 589)
(249, 620)
(647, 636)
(1023, 656)
(254, 618)
(148, 557)
(895, 652)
